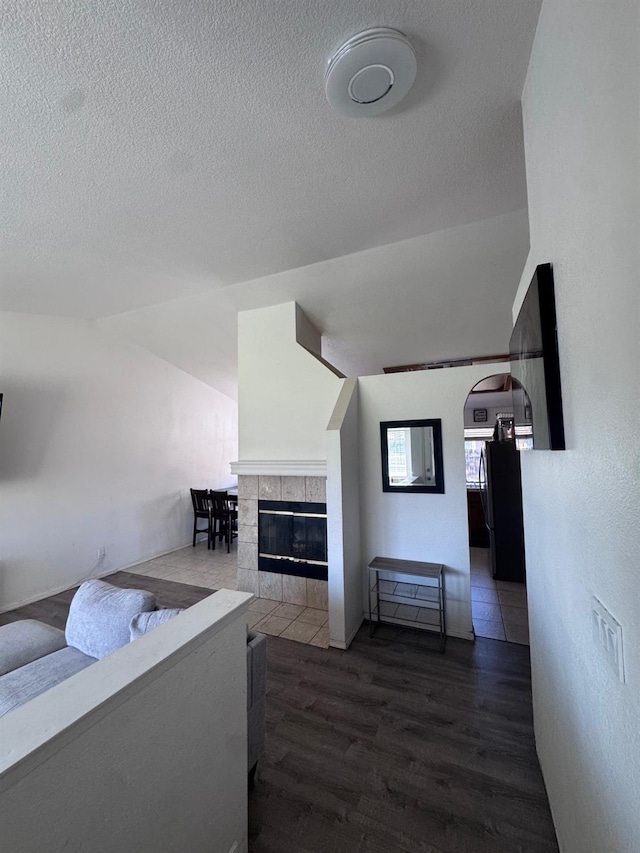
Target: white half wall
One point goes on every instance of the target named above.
(144, 750)
(346, 576)
(100, 442)
(286, 396)
(426, 527)
(581, 109)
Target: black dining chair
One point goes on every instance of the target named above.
(224, 518)
(201, 509)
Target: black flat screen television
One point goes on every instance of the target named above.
(535, 366)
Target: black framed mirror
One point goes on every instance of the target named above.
(412, 456)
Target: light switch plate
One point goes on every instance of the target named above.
(607, 634)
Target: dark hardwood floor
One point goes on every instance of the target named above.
(387, 747)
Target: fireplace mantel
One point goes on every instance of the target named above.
(281, 467)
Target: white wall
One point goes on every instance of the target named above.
(144, 750)
(494, 402)
(581, 108)
(443, 295)
(425, 527)
(346, 575)
(196, 333)
(100, 442)
(286, 402)
(492, 413)
(286, 396)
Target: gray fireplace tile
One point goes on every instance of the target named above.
(293, 488)
(247, 533)
(294, 590)
(316, 489)
(270, 585)
(317, 594)
(248, 581)
(270, 488)
(248, 512)
(248, 556)
(248, 486)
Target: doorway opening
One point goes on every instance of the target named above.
(494, 505)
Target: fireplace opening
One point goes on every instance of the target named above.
(292, 538)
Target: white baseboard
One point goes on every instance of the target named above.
(53, 591)
(339, 644)
(5, 608)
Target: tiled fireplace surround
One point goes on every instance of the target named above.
(287, 588)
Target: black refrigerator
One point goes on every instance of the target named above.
(501, 493)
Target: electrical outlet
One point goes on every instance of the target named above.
(607, 633)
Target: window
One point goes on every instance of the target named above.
(472, 450)
(475, 439)
(398, 467)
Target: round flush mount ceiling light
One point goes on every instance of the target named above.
(371, 72)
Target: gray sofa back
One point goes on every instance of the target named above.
(34, 657)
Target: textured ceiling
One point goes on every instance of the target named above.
(156, 150)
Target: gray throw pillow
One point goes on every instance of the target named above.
(144, 622)
(100, 615)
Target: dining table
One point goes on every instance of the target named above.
(232, 494)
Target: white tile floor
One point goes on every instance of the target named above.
(196, 566)
(218, 570)
(499, 608)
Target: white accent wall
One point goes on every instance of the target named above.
(100, 442)
(292, 407)
(426, 527)
(346, 575)
(581, 109)
(286, 396)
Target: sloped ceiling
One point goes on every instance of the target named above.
(439, 296)
(154, 151)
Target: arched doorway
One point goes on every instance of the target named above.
(494, 500)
